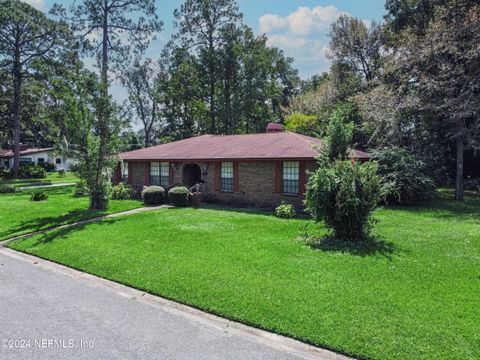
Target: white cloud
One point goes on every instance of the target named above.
(303, 35)
(303, 21)
(35, 3)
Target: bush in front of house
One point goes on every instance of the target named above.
(5, 172)
(31, 171)
(38, 196)
(179, 196)
(153, 195)
(404, 176)
(285, 211)
(122, 192)
(472, 184)
(62, 173)
(344, 195)
(81, 189)
(48, 166)
(6, 189)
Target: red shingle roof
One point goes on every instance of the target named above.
(264, 146)
(9, 153)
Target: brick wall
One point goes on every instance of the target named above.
(256, 184)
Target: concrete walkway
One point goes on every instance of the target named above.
(45, 186)
(49, 311)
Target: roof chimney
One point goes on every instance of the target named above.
(272, 127)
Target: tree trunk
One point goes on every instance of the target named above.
(17, 84)
(97, 196)
(459, 168)
(211, 65)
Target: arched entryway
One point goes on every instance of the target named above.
(191, 175)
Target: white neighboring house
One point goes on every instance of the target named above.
(36, 156)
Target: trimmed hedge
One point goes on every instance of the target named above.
(153, 195)
(178, 196)
(285, 211)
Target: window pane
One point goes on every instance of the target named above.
(290, 177)
(227, 170)
(155, 174)
(164, 170)
(226, 177)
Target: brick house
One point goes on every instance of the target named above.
(257, 170)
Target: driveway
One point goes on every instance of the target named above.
(51, 312)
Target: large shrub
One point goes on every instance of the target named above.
(404, 176)
(153, 195)
(285, 211)
(178, 196)
(81, 189)
(344, 194)
(31, 171)
(48, 166)
(122, 192)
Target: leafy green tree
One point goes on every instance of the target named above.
(143, 100)
(357, 45)
(103, 26)
(302, 124)
(440, 68)
(27, 37)
(201, 26)
(339, 136)
(404, 176)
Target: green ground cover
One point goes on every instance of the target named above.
(52, 178)
(411, 294)
(19, 215)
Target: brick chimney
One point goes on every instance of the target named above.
(273, 127)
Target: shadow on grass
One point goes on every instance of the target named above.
(59, 234)
(367, 247)
(43, 223)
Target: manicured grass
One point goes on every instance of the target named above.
(19, 215)
(52, 178)
(414, 294)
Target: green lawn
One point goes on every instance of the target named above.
(19, 215)
(52, 178)
(413, 295)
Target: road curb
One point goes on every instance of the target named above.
(263, 337)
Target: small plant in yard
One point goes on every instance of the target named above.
(38, 196)
(81, 189)
(122, 192)
(62, 173)
(285, 211)
(153, 195)
(178, 196)
(8, 189)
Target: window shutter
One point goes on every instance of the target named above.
(278, 177)
(218, 170)
(130, 172)
(235, 176)
(147, 174)
(170, 175)
(301, 177)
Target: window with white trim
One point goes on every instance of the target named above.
(226, 177)
(290, 177)
(159, 174)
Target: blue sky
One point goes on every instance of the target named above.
(299, 27)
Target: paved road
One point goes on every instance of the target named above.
(39, 305)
